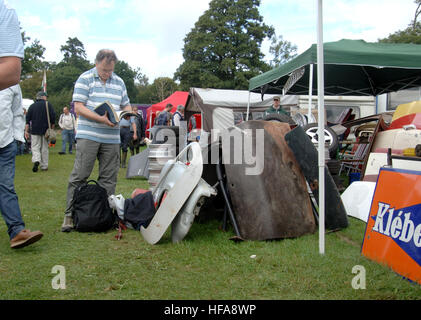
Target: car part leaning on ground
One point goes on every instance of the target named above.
(178, 195)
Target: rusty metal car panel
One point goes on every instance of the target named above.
(275, 203)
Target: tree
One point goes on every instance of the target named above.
(412, 34)
(162, 88)
(409, 35)
(141, 78)
(59, 100)
(31, 85)
(223, 48)
(144, 94)
(74, 54)
(282, 51)
(125, 72)
(33, 55)
(63, 77)
(417, 13)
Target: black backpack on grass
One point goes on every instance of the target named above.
(91, 211)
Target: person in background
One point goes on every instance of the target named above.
(97, 137)
(276, 107)
(178, 116)
(67, 124)
(127, 124)
(134, 144)
(37, 117)
(11, 124)
(155, 122)
(164, 118)
(193, 123)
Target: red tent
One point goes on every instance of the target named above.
(177, 98)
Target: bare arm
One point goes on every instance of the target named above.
(83, 111)
(134, 126)
(134, 131)
(10, 68)
(26, 131)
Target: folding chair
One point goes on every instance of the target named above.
(353, 161)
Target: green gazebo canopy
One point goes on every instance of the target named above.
(351, 67)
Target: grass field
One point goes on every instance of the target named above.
(206, 265)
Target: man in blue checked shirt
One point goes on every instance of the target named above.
(96, 136)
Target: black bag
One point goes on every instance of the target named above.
(91, 211)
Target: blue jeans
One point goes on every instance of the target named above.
(68, 136)
(20, 148)
(124, 138)
(9, 205)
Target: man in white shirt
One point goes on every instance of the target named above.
(11, 124)
(67, 124)
(178, 116)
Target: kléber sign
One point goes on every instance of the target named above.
(393, 232)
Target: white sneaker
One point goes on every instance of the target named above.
(116, 202)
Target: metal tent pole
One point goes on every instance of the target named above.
(248, 108)
(310, 94)
(321, 140)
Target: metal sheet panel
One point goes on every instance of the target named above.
(274, 204)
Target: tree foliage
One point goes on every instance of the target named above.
(409, 35)
(282, 51)
(223, 48)
(74, 54)
(162, 87)
(63, 77)
(33, 56)
(31, 85)
(412, 34)
(125, 72)
(417, 13)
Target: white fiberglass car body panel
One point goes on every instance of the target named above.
(357, 199)
(178, 193)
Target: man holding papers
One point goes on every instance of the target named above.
(97, 137)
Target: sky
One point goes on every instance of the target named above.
(149, 34)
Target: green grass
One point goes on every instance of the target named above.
(205, 265)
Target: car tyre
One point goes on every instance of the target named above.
(331, 137)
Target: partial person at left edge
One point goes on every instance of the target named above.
(11, 124)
